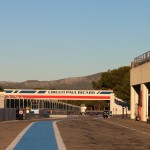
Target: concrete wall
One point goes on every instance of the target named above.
(116, 105)
(140, 74)
(2, 96)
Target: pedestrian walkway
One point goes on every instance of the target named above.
(40, 136)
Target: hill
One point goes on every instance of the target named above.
(73, 83)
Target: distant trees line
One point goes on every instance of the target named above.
(117, 80)
(1, 89)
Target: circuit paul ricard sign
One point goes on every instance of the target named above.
(67, 94)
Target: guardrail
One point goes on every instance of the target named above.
(142, 59)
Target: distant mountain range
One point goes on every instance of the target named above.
(73, 83)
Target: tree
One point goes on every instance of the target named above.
(123, 91)
(1, 89)
(118, 80)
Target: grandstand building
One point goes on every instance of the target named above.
(56, 100)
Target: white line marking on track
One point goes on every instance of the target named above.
(60, 143)
(128, 128)
(98, 118)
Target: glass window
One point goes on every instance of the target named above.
(106, 92)
(41, 92)
(26, 91)
(8, 91)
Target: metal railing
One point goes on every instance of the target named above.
(142, 59)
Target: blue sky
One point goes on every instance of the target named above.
(55, 39)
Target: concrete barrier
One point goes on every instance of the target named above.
(7, 114)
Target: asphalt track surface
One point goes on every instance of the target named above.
(95, 133)
(88, 133)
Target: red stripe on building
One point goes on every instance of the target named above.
(59, 97)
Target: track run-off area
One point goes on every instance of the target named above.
(84, 132)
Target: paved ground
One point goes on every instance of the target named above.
(90, 133)
(9, 131)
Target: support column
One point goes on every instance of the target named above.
(27, 103)
(2, 98)
(5, 103)
(112, 103)
(23, 103)
(19, 103)
(14, 103)
(144, 101)
(31, 103)
(134, 103)
(10, 103)
(38, 104)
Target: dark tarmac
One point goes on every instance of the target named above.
(95, 133)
